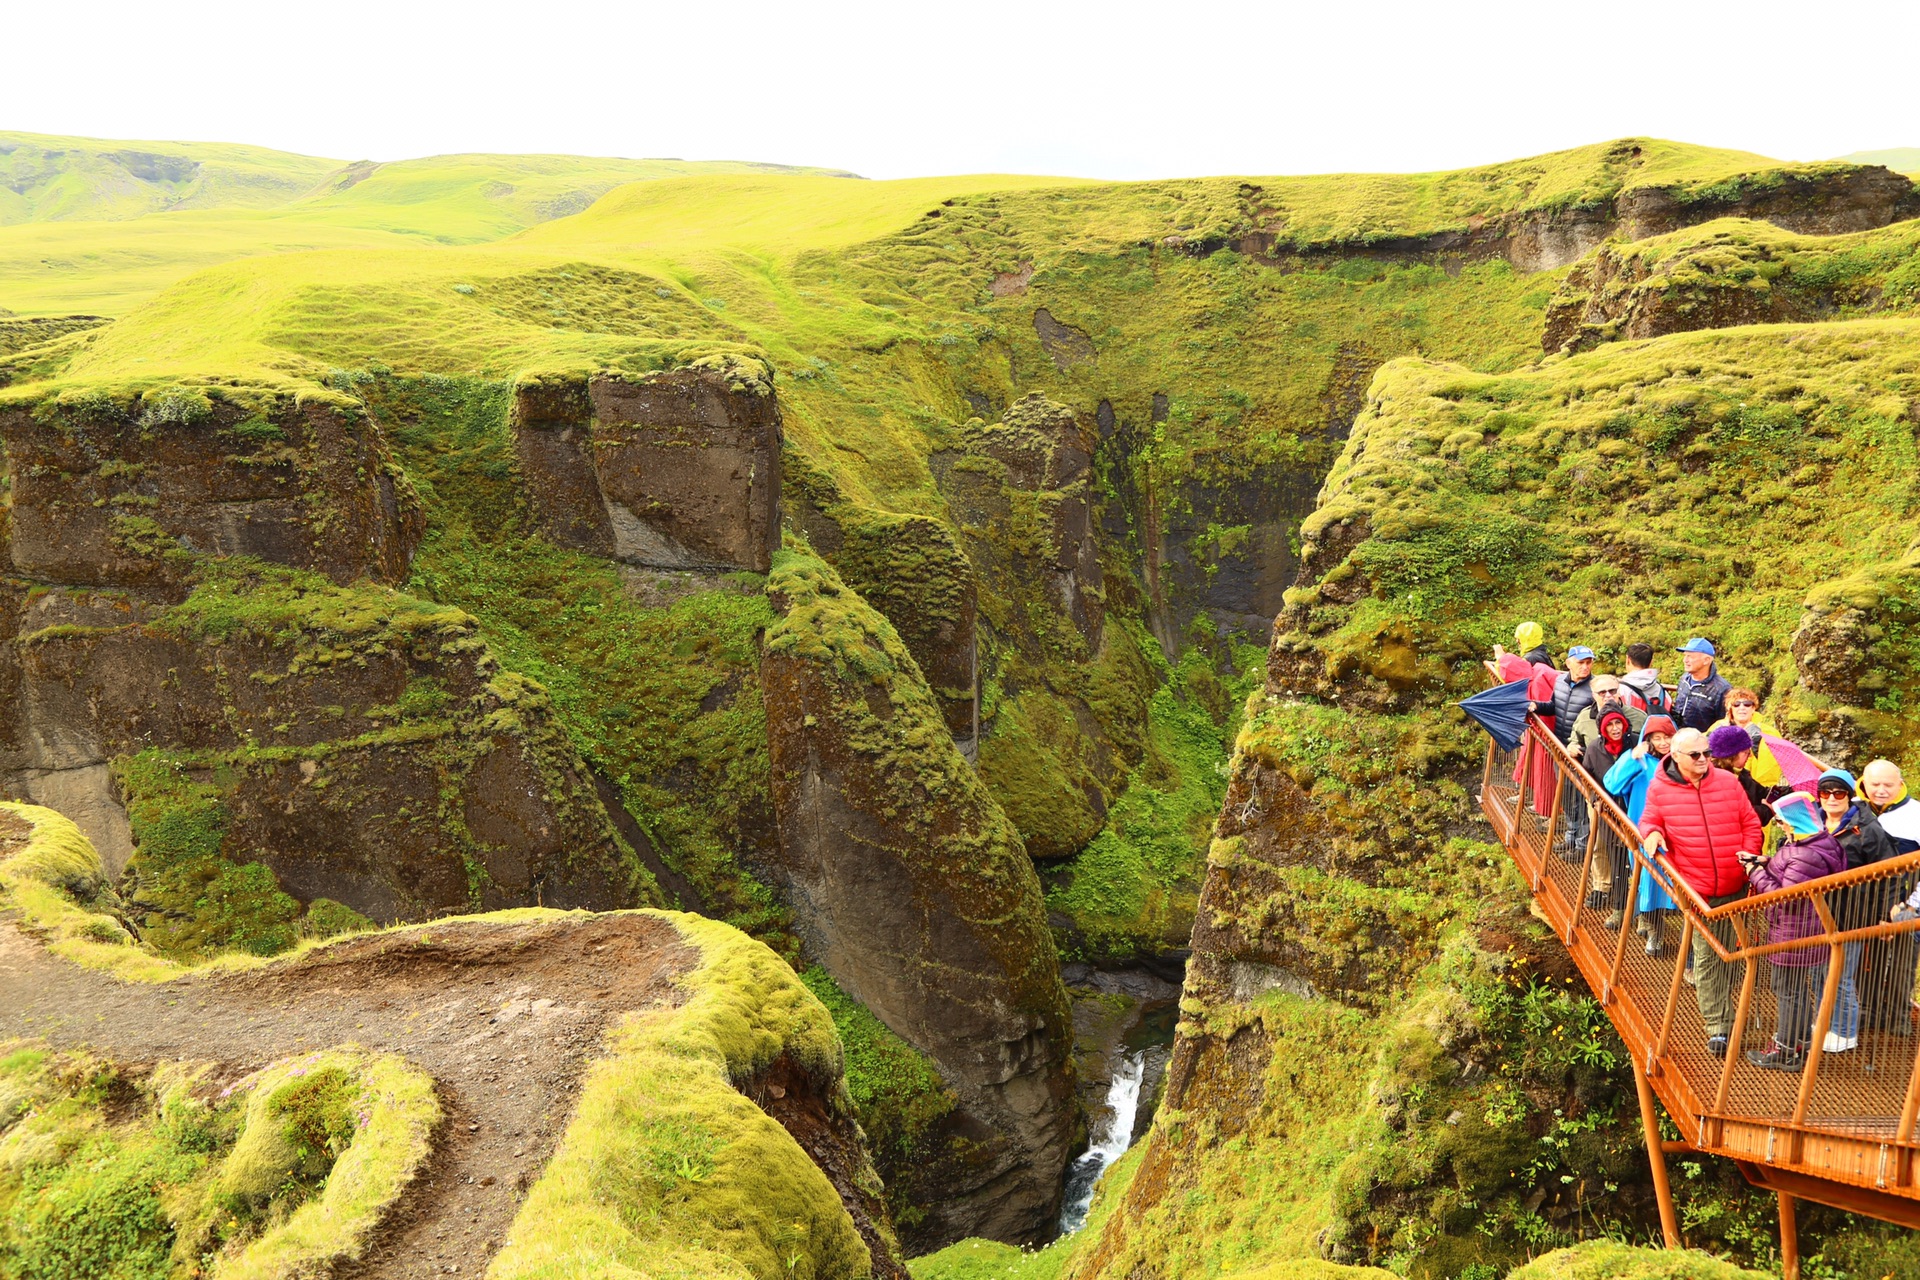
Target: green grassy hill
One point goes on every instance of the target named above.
(1223, 330)
(1899, 159)
(1217, 340)
(172, 208)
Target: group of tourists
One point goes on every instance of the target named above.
(1705, 777)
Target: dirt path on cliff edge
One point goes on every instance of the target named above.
(502, 1016)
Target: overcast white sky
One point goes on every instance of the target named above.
(1115, 90)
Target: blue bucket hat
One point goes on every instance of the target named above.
(1579, 651)
(1839, 775)
(1699, 645)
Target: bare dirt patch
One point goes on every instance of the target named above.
(503, 1015)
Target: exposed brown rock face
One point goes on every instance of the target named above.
(365, 747)
(476, 807)
(1818, 200)
(814, 1111)
(911, 888)
(679, 470)
(100, 493)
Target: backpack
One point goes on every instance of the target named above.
(1655, 700)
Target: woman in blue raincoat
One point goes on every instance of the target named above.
(1627, 782)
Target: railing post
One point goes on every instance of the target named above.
(1548, 849)
(1524, 767)
(1809, 1074)
(1738, 1037)
(1673, 995)
(1789, 1240)
(1903, 1130)
(1486, 774)
(1581, 889)
(1628, 910)
(1657, 1159)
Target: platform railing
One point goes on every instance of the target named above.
(1833, 1127)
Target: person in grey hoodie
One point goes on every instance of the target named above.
(1642, 680)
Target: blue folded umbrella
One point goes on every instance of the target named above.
(1501, 711)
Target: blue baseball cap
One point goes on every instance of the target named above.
(1698, 645)
(1579, 651)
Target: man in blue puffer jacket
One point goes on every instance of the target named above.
(1700, 699)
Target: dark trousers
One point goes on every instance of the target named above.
(1573, 805)
(1712, 976)
(1796, 994)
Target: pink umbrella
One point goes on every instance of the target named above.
(1801, 770)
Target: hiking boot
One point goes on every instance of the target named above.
(1614, 917)
(1778, 1058)
(1656, 945)
(1835, 1043)
(1717, 1046)
(1596, 899)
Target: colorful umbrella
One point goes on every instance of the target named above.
(1801, 770)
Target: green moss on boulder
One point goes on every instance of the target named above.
(666, 1163)
(1610, 1260)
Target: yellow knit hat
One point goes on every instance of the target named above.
(1528, 635)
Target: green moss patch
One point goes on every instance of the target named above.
(898, 1093)
(160, 1176)
(1609, 1260)
(666, 1167)
(653, 677)
(1132, 891)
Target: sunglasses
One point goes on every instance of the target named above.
(1695, 755)
(1743, 704)
(1824, 793)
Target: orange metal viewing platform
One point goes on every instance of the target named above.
(1837, 1131)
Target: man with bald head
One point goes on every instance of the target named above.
(1885, 791)
(1889, 997)
(1700, 816)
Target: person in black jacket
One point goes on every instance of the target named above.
(1573, 694)
(1700, 699)
(1614, 739)
(1732, 750)
(1864, 842)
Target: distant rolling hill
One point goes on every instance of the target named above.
(98, 226)
(1898, 159)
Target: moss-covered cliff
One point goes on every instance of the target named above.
(423, 583)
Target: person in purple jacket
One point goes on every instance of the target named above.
(1799, 976)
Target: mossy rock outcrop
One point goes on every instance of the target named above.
(677, 470)
(208, 668)
(911, 888)
(1610, 1260)
(1728, 273)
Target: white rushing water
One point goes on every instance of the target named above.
(1112, 1135)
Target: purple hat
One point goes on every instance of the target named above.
(1728, 741)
